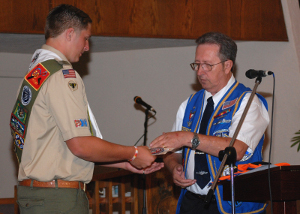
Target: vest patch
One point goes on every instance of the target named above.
(221, 133)
(248, 154)
(222, 114)
(26, 95)
(223, 121)
(191, 116)
(229, 104)
(37, 76)
(185, 129)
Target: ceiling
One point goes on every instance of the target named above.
(28, 43)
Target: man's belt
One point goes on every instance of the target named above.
(51, 184)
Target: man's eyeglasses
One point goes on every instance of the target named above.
(205, 66)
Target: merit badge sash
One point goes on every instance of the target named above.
(29, 90)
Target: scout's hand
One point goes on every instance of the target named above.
(143, 158)
(153, 168)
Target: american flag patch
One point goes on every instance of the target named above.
(69, 73)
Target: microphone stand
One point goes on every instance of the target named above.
(144, 176)
(228, 151)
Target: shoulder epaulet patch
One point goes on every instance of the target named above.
(37, 76)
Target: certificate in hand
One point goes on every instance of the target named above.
(160, 150)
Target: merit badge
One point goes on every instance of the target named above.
(73, 85)
(229, 104)
(26, 95)
(37, 76)
(81, 123)
(16, 125)
(69, 73)
(20, 112)
(18, 141)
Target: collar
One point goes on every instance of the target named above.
(50, 48)
(218, 96)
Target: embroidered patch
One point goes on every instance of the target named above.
(222, 113)
(248, 154)
(37, 76)
(226, 170)
(17, 125)
(73, 85)
(26, 95)
(20, 112)
(185, 129)
(192, 113)
(223, 121)
(81, 123)
(69, 73)
(18, 140)
(221, 133)
(229, 104)
(201, 173)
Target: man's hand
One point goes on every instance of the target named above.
(174, 140)
(144, 158)
(179, 178)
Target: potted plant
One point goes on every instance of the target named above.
(296, 140)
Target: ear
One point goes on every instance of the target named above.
(227, 66)
(69, 34)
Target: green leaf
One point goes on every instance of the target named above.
(296, 140)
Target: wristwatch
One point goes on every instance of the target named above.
(195, 141)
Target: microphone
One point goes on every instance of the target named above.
(257, 73)
(139, 100)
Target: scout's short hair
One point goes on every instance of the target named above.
(64, 17)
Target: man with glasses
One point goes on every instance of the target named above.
(204, 125)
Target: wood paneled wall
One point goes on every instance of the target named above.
(256, 20)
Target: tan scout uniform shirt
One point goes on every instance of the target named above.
(56, 116)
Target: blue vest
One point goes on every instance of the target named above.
(218, 125)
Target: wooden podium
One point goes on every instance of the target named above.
(285, 187)
(161, 193)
